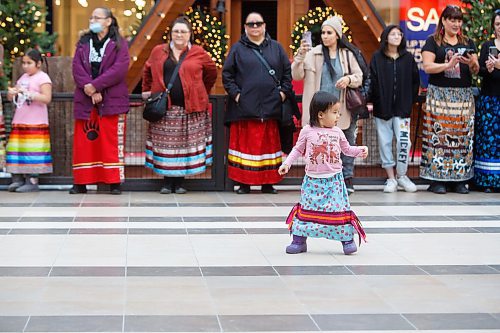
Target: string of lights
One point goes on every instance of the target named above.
(312, 21)
(208, 32)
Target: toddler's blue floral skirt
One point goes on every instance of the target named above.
(324, 195)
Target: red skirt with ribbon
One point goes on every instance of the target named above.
(98, 149)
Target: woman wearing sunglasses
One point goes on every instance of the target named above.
(254, 105)
(331, 67)
(450, 59)
(487, 118)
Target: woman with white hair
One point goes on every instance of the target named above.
(331, 67)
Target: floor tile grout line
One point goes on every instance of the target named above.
(204, 279)
(26, 324)
(408, 321)
(65, 240)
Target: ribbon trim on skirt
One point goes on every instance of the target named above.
(327, 218)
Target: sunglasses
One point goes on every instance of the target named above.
(254, 24)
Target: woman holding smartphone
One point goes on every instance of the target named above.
(487, 119)
(449, 57)
(332, 67)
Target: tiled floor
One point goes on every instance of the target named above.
(215, 262)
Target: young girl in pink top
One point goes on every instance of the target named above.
(28, 149)
(324, 209)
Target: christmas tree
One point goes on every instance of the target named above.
(19, 21)
(208, 32)
(477, 19)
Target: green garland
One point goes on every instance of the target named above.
(312, 21)
(209, 33)
(18, 21)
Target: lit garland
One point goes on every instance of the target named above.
(209, 33)
(312, 21)
(138, 12)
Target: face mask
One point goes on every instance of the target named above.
(96, 27)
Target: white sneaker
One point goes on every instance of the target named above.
(407, 184)
(391, 185)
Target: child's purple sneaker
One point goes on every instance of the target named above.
(349, 246)
(298, 245)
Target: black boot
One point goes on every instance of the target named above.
(244, 189)
(78, 189)
(167, 186)
(268, 188)
(460, 188)
(115, 189)
(177, 188)
(437, 187)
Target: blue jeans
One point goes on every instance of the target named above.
(347, 161)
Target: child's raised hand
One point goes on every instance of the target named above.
(283, 170)
(365, 151)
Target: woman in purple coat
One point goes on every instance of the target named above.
(101, 101)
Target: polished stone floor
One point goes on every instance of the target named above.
(215, 262)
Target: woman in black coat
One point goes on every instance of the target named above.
(254, 106)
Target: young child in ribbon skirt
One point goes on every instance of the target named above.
(324, 209)
(28, 148)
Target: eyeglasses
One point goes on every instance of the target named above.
(97, 18)
(182, 32)
(254, 24)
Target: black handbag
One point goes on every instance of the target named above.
(155, 107)
(355, 101)
(289, 109)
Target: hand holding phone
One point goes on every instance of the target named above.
(493, 51)
(307, 37)
(468, 52)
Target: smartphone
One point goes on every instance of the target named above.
(493, 51)
(307, 37)
(467, 52)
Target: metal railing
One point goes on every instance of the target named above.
(138, 177)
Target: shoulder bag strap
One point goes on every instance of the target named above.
(176, 71)
(271, 71)
(348, 63)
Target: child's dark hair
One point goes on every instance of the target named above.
(37, 56)
(320, 102)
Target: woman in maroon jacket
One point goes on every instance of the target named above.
(180, 144)
(101, 101)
